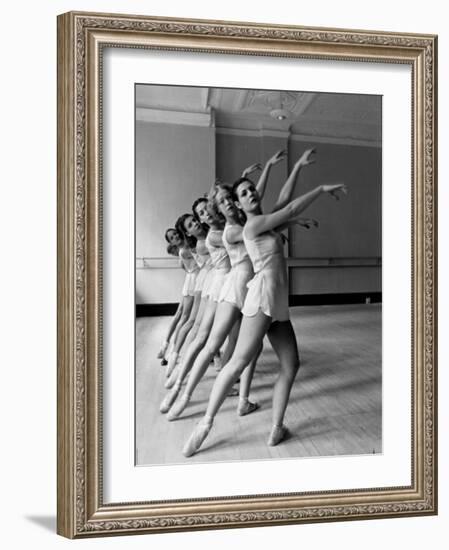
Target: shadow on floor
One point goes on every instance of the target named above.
(46, 522)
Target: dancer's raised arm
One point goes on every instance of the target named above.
(266, 222)
(251, 169)
(263, 179)
(286, 192)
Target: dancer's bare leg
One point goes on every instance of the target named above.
(252, 331)
(190, 337)
(232, 339)
(171, 328)
(226, 316)
(183, 332)
(191, 354)
(282, 338)
(186, 302)
(219, 361)
(245, 405)
(197, 322)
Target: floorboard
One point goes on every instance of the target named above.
(335, 406)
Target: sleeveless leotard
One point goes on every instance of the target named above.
(191, 268)
(234, 288)
(220, 267)
(204, 262)
(268, 289)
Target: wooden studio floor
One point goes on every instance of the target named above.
(335, 406)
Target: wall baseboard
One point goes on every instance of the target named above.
(155, 310)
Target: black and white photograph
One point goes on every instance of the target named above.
(258, 274)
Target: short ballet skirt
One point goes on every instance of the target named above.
(235, 287)
(268, 292)
(188, 288)
(201, 278)
(208, 280)
(216, 284)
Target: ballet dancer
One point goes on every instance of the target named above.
(220, 268)
(265, 310)
(230, 302)
(198, 231)
(213, 217)
(232, 297)
(177, 241)
(185, 246)
(173, 250)
(189, 329)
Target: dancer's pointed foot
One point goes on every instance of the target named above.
(278, 434)
(170, 382)
(197, 438)
(169, 399)
(163, 349)
(164, 362)
(246, 407)
(171, 363)
(178, 407)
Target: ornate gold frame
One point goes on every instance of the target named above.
(81, 37)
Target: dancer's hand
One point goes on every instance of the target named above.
(307, 222)
(251, 169)
(334, 190)
(277, 157)
(306, 158)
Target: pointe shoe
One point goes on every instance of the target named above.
(162, 351)
(196, 439)
(178, 408)
(169, 399)
(170, 382)
(278, 433)
(247, 407)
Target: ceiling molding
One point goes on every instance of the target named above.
(174, 117)
(298, 137)
(261, 132)
(337, 140)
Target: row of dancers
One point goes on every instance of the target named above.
(235, 288)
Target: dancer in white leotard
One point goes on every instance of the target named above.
(230, 302)
(200, 254)
(173, 250)
(233, 293)
(220, 267)
(209, 213)
(176, 239)
(189, 328)
(265, 310)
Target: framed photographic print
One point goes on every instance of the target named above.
(246, 274)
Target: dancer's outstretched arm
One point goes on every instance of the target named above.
(266, 222)
(263, 179)
(286, 192)
(251, 169)
(235, 232)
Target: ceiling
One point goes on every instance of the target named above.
(349, 116)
